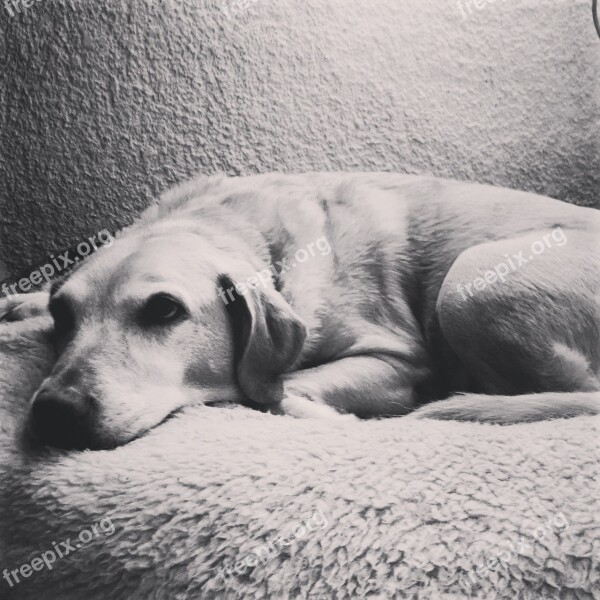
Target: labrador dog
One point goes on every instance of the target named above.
(327, 295)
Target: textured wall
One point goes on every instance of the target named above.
(105, 104)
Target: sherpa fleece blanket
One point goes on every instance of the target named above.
(231, 503)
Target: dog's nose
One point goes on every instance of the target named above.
(60, 419)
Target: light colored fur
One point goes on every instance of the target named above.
(368, 318)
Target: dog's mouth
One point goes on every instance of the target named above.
(178, 411)
(174, 413)
(145, 432)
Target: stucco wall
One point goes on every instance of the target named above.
(105, 104)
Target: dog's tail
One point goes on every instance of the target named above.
(508, 410)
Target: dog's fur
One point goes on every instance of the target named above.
(377, 326)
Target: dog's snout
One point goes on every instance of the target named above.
(60, 418)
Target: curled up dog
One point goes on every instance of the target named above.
(374, 327)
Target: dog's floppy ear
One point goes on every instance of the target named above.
(268, 337)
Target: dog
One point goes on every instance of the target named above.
(335, 296)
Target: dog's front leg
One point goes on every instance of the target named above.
(365, 386)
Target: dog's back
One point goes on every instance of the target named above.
(394, 239)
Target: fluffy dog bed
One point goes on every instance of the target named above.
(230, 503)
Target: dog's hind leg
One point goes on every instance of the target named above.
(529, 340)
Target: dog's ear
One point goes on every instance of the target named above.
(268, 337)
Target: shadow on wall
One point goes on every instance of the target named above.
(104, 105)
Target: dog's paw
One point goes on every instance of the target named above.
(302, 407)
(24, 306)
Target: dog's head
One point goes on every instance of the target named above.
(150, 325)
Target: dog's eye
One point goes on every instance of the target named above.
(161, 309)
(61, 312)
